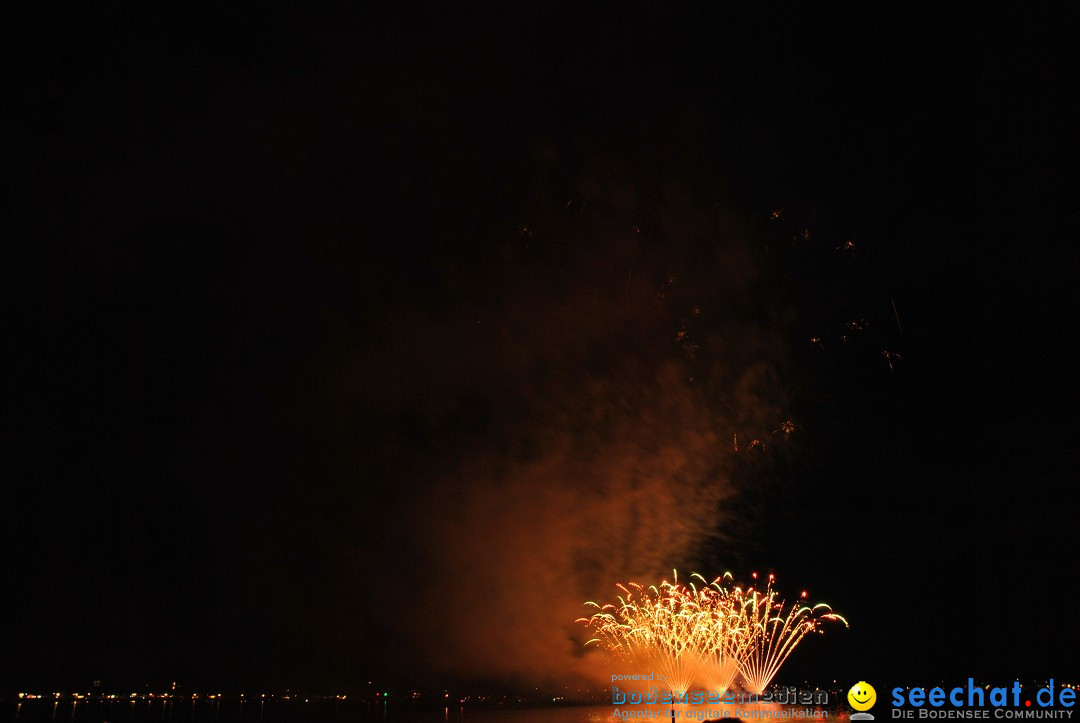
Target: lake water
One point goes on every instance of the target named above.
(120, 711)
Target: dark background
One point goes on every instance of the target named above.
(188, 195)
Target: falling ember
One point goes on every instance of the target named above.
(847, 246)
(704, 632)
(896, 314)
(889, 357)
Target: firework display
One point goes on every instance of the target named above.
(705, 632)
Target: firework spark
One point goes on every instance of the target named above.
(787, 427)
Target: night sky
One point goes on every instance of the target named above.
(366, 344)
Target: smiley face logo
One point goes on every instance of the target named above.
(862, 696)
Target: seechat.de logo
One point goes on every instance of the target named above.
(862, 697)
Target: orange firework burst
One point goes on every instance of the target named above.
(707, 634)
(724, 642)
(659, 626)
(772, 634)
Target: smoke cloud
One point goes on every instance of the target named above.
(576, 400)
